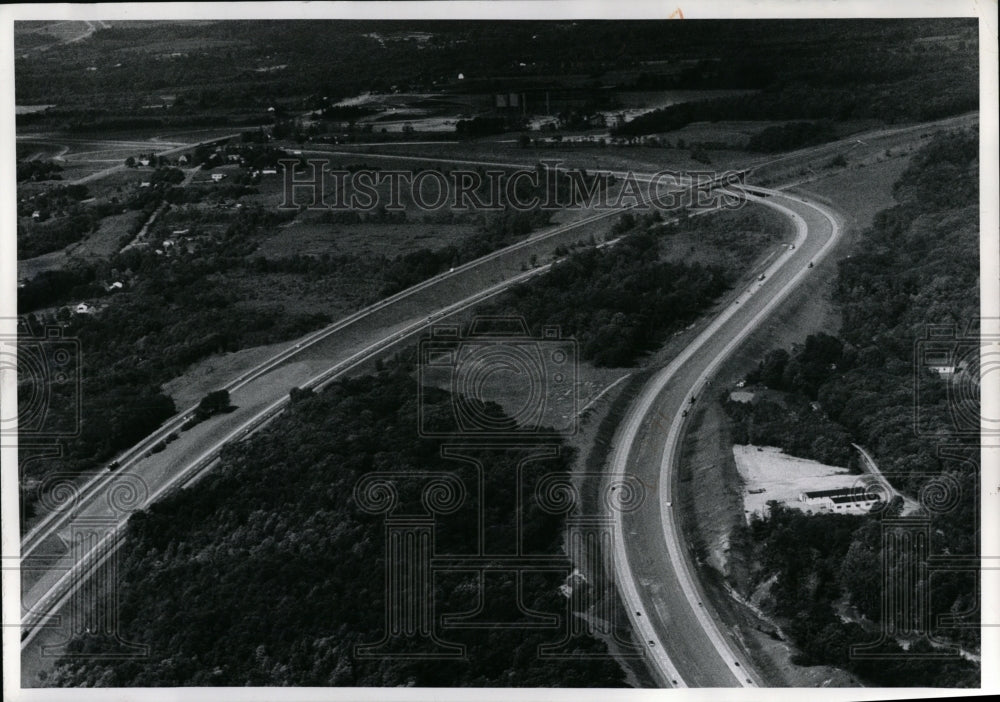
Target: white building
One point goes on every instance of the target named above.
(857, 499)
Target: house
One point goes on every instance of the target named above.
(143, 161)
(83, 308)
(942, 370)
(36, 214)
(741, 396)
(145, 184)
(218, 176)
(180, 232)
(183, 159)
(117, 285)
(269, 171)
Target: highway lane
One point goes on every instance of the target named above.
(688, 645)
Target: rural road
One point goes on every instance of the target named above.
(686, 643)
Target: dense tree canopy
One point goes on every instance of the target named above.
(270, 573)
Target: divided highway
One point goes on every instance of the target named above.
(260, 394)
(687, 648)
(686, 643)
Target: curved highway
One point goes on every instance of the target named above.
(687, 644)
(59, 568)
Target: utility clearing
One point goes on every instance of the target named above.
(770, 474)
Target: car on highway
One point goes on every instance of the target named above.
(761, 277)
(810, 264)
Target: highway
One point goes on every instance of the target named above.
(126, 460)
(687, 644)
(259, 395)
(652, 567)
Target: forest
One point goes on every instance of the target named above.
(269, 572)
(619, 302)
(916, 266)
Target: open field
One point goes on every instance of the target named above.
(99, 244)
(389, 240)
(859, 194)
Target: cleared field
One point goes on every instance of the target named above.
(730, 238)
(107, 239)
(770, 474)
(561, 394)
(862, 191)
(336, 295)
(389, 240)
(101, 243)
(30, 267)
